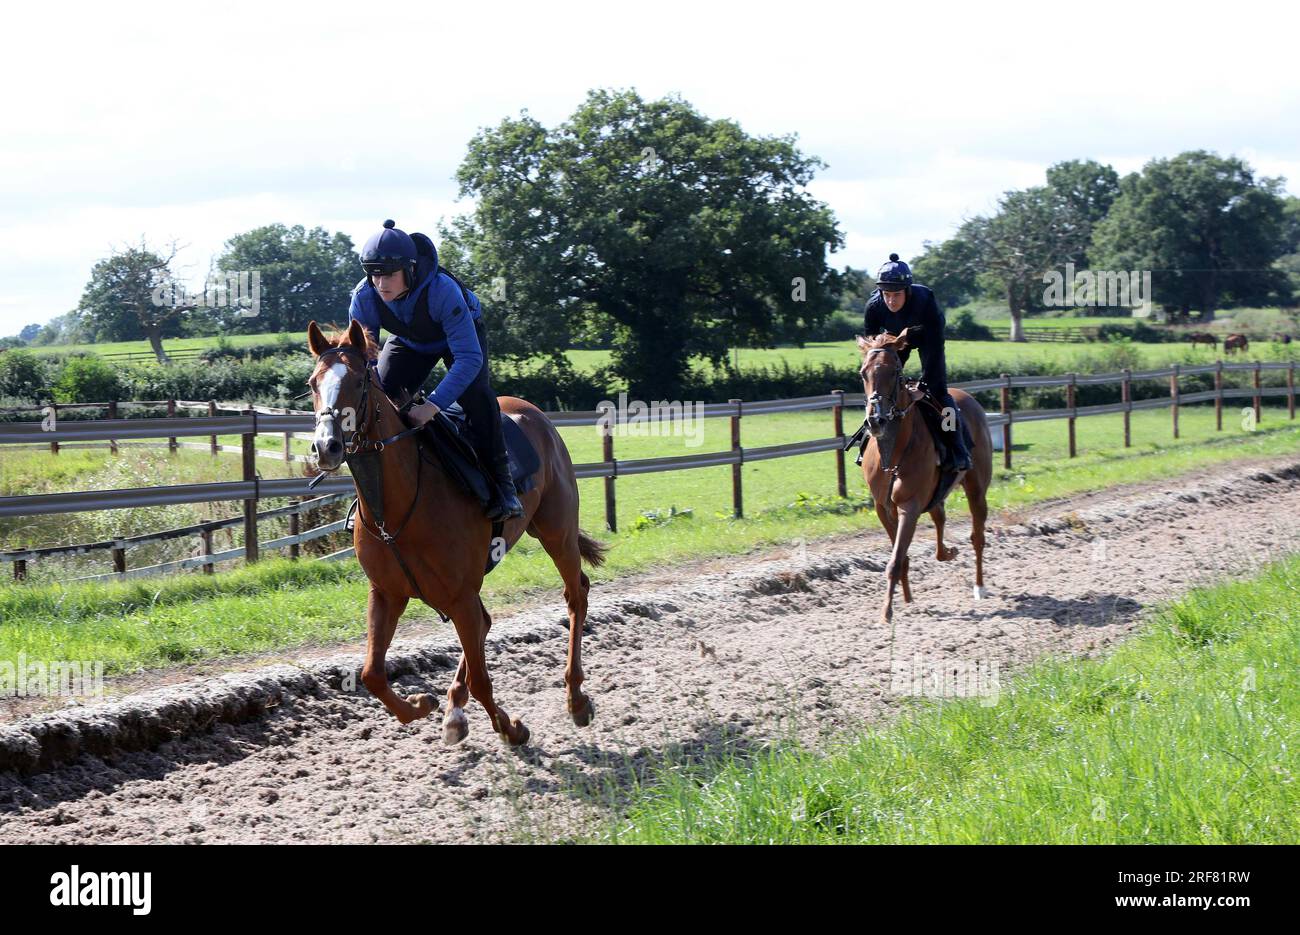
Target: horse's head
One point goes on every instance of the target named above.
(340, 389)
(882, 378)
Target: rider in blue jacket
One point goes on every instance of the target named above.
(431, 317)
(898, 303)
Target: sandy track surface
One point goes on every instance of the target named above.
(725, 654)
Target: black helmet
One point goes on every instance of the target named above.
(388, 251)
(894, 276)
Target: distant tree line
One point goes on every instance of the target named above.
(1211, 233)
(667, 236)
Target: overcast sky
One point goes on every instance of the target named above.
(196, 122)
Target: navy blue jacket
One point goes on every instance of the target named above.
(451, 314)
(919, 309)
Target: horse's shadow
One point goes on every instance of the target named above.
(1098, 611)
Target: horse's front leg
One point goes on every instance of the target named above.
(472, 622)
(382, 613)
(896, 570)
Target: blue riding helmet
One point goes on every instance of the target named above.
(894, 276)
(388, 251)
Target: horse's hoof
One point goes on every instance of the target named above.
(947, 554)
(455, 727)
(584, 717)
(424, 704)
(522, 734)
(978, 593)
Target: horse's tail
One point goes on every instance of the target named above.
(592, 551)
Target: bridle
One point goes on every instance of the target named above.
(360, 441)
(361, 454)
(875, 399)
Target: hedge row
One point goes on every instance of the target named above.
(26, 378)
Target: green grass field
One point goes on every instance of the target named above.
(1186, 734)
(274, 604)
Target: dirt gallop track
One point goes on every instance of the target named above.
(729, 652)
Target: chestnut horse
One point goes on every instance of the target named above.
(438, 545)
(1235, 342)
(902, 467)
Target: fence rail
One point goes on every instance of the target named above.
(250, 421)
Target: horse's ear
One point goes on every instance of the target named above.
(316, 341)
(357, 336)
(903, 341)
(863, 343)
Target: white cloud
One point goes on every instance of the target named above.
(200, 121)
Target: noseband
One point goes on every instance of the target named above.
(360, 441)
(875, 398)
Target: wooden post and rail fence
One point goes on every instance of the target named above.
(249, 422)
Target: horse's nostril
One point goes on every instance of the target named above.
(334, 446)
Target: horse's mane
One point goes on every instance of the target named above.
(884, 339)
(338, 336)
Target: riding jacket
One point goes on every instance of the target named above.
(450, 317)
(919, 309)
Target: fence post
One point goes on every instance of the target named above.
(112, 414)
(20, 569)
(171, 414)
(1006, 428)
(1290, 391)
(841, 487)
(1173, 395)
(119, 558)
(1259, 415)
(212, 411)
(250, 505)
(1218, 396)
(294, 529)
(1126, 397)
(205, 537)
(288, 454)
(737, 490)
(1070, 404)
(607, 455)
(54, 414)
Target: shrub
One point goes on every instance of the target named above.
(23, 374)
(964, 327)
(88, 379)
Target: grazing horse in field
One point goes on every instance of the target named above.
(440, 540)
(1282, 338)
(902, 468)
(1203, 337)
(1235, 342)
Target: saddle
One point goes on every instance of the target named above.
(447, 438)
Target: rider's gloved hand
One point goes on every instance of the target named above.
(423, 412)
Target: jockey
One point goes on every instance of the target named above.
(896, 304)
(431, 317)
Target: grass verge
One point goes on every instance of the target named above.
(1185, 734)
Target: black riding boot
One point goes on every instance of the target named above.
(957, 440)
(506, 504)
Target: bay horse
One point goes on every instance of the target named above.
(1234, 342)
(1202, 337)
(902, 467)
(438, 549)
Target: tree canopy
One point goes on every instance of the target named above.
(682, 233)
